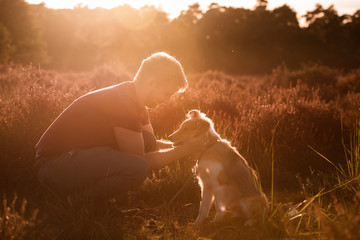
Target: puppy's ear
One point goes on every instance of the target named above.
(194, 114)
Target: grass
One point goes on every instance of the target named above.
(348, 183)
(272, 120)
(348, 176)
(15, 222)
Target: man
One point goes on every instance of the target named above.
(103, 142)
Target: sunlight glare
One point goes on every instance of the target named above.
(91, 3)
(174, 8)
(222, 208)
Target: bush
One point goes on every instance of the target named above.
(247, 115)
(16, 224)
(313, 75)
(30, 99)
(264, 122)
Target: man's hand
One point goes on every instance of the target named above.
(132, 142)
(164, 144)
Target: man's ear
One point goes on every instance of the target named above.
(194, 114)
(204, 126)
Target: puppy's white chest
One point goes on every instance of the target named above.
(209, 172)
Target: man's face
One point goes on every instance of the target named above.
(159, 95)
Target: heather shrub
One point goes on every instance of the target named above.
(245, 111)
(331, 83)
(248, 115)
(30, 102)
(344, 221)
(349, 82)
(105, 75)
(313, 75)
(280, 124)
(16, 222)
(349, 106)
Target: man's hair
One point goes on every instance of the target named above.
(164, 70)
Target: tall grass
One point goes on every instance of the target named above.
(323, 220)
(348, 176)
(352, 155)
(270, 119)
(16, 222)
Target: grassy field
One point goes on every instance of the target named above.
(299, 129)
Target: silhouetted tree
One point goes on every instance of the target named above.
(5, 44)
(353, 45)
(332, 40)
(287, 46)
(25, 36)
(262, 4)
(181, 37)
(229, 39)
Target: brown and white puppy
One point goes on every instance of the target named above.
(224, 175)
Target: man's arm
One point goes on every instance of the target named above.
(160, 144)
(163, 144)
(148, 127)
(159, 159)
(132, 142)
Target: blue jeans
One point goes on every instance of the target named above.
(102, 171)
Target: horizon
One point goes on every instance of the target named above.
(173, 9)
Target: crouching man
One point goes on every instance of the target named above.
(103, 142)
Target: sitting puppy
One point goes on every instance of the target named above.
(223, 174)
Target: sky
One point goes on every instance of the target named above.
(174, 7)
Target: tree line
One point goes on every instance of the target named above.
(234, 40)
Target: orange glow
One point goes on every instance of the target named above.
(172, 7)
(175, 7)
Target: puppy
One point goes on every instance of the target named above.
(224, 175)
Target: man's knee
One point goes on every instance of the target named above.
(140, 169)
(50, 182)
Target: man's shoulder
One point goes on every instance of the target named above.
(124, 87)
(123, 93)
